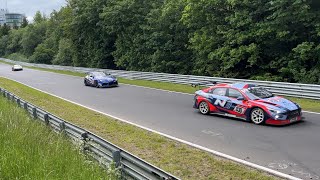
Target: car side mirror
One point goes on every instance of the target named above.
(240, 98)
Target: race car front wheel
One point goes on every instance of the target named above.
(86, 83)
(257, 116)
(95, 84)
(204, 107)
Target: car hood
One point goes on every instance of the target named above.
(279, 103)
(106, 79)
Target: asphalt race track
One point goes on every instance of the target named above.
(292, 149)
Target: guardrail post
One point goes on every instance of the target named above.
(25, 106)
(34, 112)
(62, 126)
(46, 119)
(85, 139)
(18, 102)
(116, 157)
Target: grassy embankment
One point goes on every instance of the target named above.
(306, 104)
(177, 158)
(30, 150)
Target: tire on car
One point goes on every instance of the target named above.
(257, 116)
(204, 107)
(95, 84)
(86, 83)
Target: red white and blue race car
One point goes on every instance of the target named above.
(247, 101)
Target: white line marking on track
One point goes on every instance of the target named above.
(310, 112)
(247, 163)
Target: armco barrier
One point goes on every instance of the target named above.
(131, 167)
(310, 91)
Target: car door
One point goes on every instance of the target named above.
(219, 99)
(238, 104)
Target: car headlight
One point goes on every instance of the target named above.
(277, 114)
(274, 111)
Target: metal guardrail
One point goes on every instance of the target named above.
(310, 91)
(131, 167)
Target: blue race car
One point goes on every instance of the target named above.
(100, 79)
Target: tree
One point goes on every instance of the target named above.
(4, 30)
(14, 41)
(24, 22)
(167, 37)
(42, 54)
(3, 44)
(65, 54)
(38, 17)
(125, 20)
(33, 36)
(94, 45)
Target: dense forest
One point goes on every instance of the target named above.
(257, 39)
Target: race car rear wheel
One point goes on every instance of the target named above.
(257, 116)
(204, 107)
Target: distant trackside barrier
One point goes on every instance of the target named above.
(310, 91)
(130, 166)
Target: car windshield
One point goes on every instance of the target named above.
(258, 92)
(99, 74)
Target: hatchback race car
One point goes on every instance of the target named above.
(248, 102)
(17, 68)
(100, 79)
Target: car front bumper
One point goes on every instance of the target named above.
(109, 84)
(284, 122)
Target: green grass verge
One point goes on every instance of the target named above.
(306, 104)
(177, 158)
(30, 150)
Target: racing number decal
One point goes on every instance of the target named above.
(240, 109)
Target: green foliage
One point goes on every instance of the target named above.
(3, 44)
(18, 57)
(167, 38)
(4, 30)
(39, 18)
(25, 22)
(33, 36)
(93, 45)
(14, 41)
(65, 54)
(42, 55)
(267, 40)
